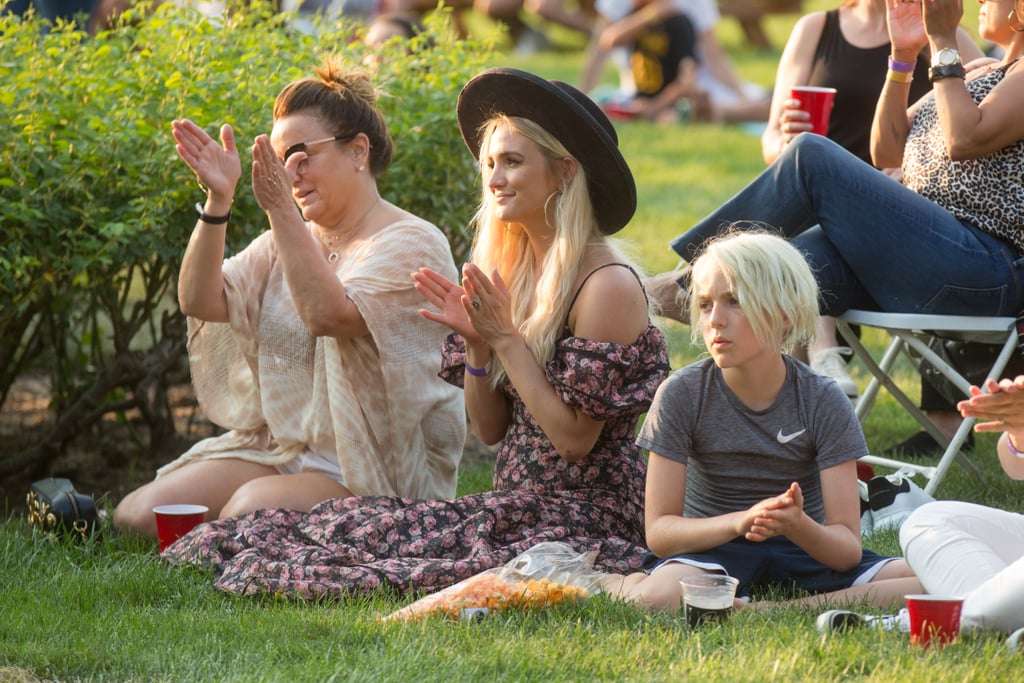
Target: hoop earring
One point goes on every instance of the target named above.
(1014, 21)
(556, 193)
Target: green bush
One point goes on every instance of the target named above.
(96, 207)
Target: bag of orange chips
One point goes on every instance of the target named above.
(546, 575)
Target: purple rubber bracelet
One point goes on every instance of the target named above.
(1009, 445)
(901, 67)
(476, 372)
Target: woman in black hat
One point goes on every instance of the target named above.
(554, 346)
(543, 270)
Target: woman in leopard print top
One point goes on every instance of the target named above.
(950, 240)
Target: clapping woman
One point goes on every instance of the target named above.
(307, 346)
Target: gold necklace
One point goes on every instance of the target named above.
(334, 242)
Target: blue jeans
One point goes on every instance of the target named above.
(871, 242)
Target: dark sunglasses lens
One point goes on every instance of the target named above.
(300, 147)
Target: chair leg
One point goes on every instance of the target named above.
(951, 453)
(905, 341)
(1009, 348)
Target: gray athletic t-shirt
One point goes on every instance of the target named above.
(736, 457)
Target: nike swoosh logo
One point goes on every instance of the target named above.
(786, 438)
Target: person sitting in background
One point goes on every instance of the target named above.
(386, 27)
(661, 44)
(996, 21)
(752, 459)
(947, 241)
(527, 38)
(846, 48)
(307, 346)
(553, 344)
(717, 93)
(405, 30)
(306, 11)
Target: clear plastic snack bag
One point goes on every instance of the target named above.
(546, 575)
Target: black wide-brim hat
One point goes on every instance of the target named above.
(570, 116)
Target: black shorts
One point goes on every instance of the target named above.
(774, 563)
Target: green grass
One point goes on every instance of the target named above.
(112, 611)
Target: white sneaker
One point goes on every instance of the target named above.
(867, 517)
(893, 497)
(839, 620)
(830, 362)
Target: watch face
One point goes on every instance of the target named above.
(945, 57)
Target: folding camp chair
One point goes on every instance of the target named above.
(910, 335)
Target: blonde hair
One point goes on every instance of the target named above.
(771, 281)
(540, 291)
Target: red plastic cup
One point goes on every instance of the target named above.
(934, 619)
(817, 102)
(174, 521)
(621, 111)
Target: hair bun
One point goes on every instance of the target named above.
(334, 74)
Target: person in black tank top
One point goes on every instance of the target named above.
(857, 74)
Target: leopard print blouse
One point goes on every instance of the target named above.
(987, 192)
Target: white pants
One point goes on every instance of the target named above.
(972, 551)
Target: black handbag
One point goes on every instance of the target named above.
(55, 505)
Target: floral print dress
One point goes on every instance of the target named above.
(356, 545)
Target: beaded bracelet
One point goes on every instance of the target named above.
(901, 67)
(476, 372)
(900, 77)
(1009, 445)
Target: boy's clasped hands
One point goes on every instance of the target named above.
(775, 516)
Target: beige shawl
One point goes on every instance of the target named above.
(375, 403)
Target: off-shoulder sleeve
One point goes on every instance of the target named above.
(604, 379)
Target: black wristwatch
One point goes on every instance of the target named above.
(937, 73)
(212, 220)
(946, 63)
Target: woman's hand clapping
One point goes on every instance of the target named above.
(906, 26)
(998, 407)
(216, 166)
(942, 19)
(272, 180)
(480, 310)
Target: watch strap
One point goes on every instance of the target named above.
(937, 73)
(212, 220)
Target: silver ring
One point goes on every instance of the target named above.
(475, 303)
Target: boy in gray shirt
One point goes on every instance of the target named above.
(752, 468)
